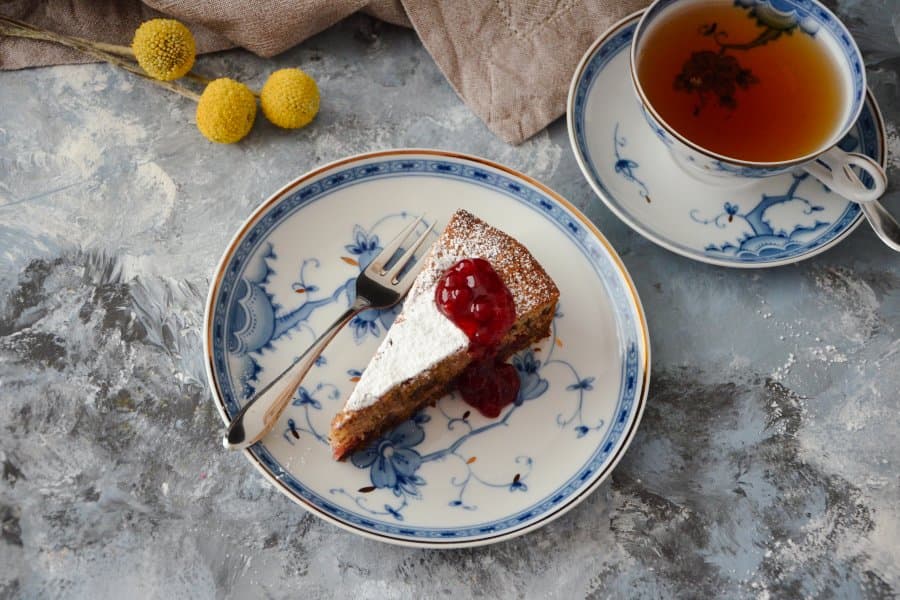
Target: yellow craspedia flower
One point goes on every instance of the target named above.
(226, 111)
(290, 98)
(164, 48)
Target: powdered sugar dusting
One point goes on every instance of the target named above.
(467, 236)
(422, 336)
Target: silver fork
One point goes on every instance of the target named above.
(376, 287)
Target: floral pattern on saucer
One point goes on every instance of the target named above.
(753, 223)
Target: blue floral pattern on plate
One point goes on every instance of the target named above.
(394, 462)
(407, 486)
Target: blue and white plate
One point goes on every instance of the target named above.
(757, 223)
(449, 477)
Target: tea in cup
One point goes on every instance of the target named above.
(754, 88)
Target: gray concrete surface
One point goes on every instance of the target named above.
(766, 465)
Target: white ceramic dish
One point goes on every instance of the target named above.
(749, 224)
(465, 480)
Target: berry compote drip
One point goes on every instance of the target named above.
(472, 295)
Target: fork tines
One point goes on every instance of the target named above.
(379, 265)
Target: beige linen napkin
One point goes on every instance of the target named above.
(509, 60)
(512, 60)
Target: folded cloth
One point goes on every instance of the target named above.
(512, 60)
(509, 60)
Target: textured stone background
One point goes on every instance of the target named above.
(766, 464)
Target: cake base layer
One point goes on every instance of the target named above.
(424, 353)
(359, 428)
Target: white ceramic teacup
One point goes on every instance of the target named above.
(831, 165)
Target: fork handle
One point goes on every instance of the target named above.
(261, 412)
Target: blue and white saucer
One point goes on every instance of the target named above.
(449, 477)
(763, 223)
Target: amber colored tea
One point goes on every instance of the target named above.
(734, 85)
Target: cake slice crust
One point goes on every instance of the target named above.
(424, 352)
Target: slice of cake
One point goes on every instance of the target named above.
(479, 298)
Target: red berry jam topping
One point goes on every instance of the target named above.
(472, 295)
(489, 385)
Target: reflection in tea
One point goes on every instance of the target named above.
(741, 84)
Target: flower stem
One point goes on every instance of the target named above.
(14, 28)
(127, 52)
(198, 78)
(111, 48)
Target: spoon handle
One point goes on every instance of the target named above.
(883, 223)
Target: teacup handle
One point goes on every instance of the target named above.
(834, 169)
